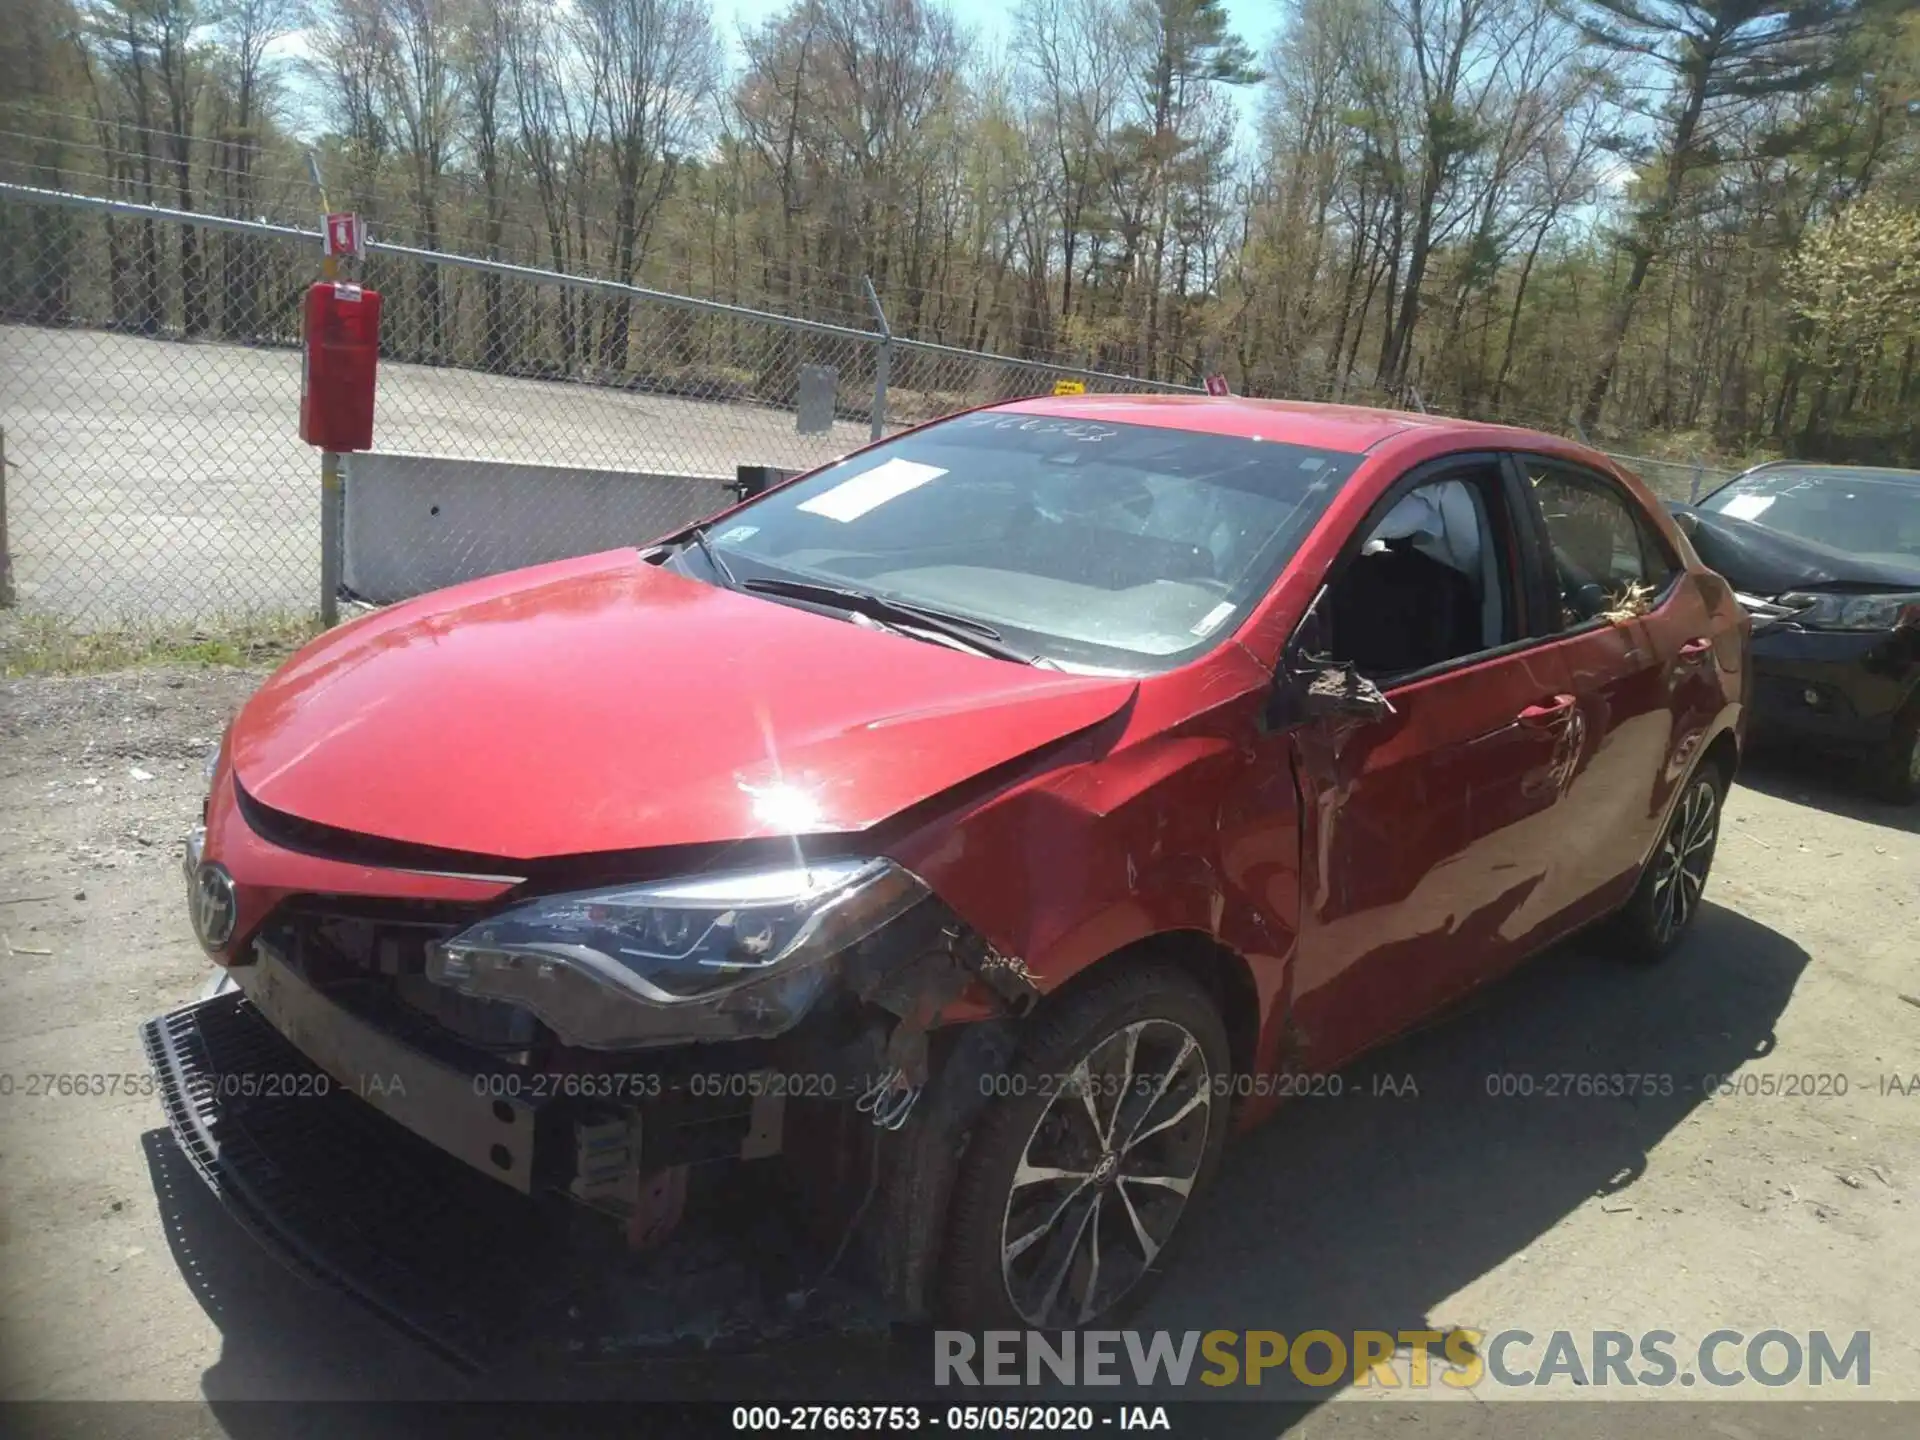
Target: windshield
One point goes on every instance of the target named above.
(1860, 512)
(1093, 545)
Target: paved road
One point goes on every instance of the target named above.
(160, 480)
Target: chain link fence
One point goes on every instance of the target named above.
(1675, 479)
(150, 375)
(150, 378)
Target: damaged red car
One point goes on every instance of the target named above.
(970, 833)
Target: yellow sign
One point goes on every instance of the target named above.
(1069, 387)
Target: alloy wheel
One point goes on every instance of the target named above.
(1685, 856)
(1105, 1174)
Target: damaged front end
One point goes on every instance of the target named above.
(743, 1091)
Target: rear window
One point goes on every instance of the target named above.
(1099, 546)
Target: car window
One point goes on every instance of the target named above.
(1861, 512)
(1606, 554)
(1432, 581)
(1095, 545)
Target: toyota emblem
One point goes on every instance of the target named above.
(211, 899)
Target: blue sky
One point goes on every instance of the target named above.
(1255, 21)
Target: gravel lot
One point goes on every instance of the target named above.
(155, 479)
(119, 1278)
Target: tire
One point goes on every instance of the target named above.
(1667, 899)
(1897, 767)
(1086, 1241)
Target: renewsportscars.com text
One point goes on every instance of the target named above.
(1459, 1359)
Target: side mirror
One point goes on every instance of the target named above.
(1312, 687)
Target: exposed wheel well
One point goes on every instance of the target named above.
(1222, 973)
(1724, 752)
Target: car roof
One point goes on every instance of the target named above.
(1350, 429)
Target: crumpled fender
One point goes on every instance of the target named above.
(1118, 840)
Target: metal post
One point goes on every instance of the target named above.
(330, 537)
(6, 556)
(882, 363)
(1693, 490)
(329, 265)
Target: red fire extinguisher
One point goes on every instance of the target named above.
(339, 355)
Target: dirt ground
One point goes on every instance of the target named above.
(119, 1277)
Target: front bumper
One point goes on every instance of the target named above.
(343, 1196)
(495, 1134)
(487, 1278)
(1836, 689)
(353, 1136)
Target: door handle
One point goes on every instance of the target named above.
(1697, 648)
(1548, 712)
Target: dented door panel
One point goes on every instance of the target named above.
(1626, 679)
(1426, 851)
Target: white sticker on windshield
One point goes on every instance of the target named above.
(737, 533)
(851, 499)
(1748, 507)
(1211, 621)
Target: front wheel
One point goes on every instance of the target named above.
(1073, 1184)
(1667, 900)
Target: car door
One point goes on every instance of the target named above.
(1636, 644)
(1425, 835)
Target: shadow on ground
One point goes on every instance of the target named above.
(1834, 784)
(1361, 1212)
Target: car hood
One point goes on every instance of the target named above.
(1762, 561)
(605, 704)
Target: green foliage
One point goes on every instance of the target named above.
(1855, 279)
(37, 644)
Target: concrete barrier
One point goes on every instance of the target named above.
(415, 523)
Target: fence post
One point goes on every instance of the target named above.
(330, 537)
(6, 555)
(882, 363)
(1693, 489)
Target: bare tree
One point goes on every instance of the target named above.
(242, 32)
(557, 107)
(1074, 54)
(482, 63)
(421, 87)
(657, 63)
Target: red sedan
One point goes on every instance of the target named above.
(972, 830)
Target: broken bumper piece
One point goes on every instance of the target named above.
(481, 1274)
(334, 1189)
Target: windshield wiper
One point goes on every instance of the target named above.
(720, 567)
(963, 629)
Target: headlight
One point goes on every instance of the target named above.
(709, 957)
(1855, 612)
